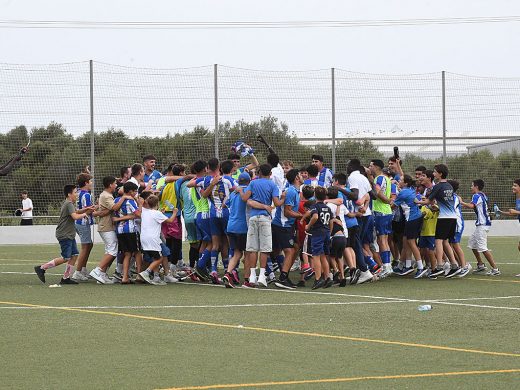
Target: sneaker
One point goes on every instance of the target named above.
(446, 267)
(365, 276)
(386, 272)
(78, 276)
(68, 281)
(420, 273)
(227, 279)
(328, 283)
(301, 283)
(318, 284)
(397, 270)
(480, 268)
(107, 279)
(286, 284)
(493, 272)
(355, 276)
(296, 265)
(202, 274)
(214, 278)
(158, 282)
(271, 278)
(309, 274)
(97, 274)
(463, 272)
(235, 276)
(262, 281)
(40, 272)
(84, 272)
(432, 276)
(170, 279)
(146, 276)
(437, 272)
(452, 272)
(305, 268)
(405, 271)
(248, 285)
(342, 283)
(117, 276)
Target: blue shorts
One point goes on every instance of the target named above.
(203, 228)
(84, 233)
(366, 229)
(320, 243)
(427, 242)
(218, 225)
(383, 224)
(68, 248)
(456, 238)
(191, 230)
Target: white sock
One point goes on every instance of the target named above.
(408, 263)
(331, 275)
(119, 268)
(420, 265)
(252, 276)
(261, 275)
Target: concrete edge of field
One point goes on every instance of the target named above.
(44, 234)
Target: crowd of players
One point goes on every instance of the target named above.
(326, 228)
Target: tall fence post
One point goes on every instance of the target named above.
(333, 110)
(92, 145)
(215, 83)
(443, 117)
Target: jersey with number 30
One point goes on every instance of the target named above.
(324, 217)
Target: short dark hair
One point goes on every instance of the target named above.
(517, 182)
(341, 178)
(420, 168)
(199, 166)
(68, 189)
(136, 168)
(145, 194)
(378, 163)
(442, 169)
(24, 192)
(393, 159)
(83, 179)
(320, 193)
(265, 169)
(177, 169)
(213, 164)
(332, 192)
(318, 157)
(233, 156)
(428, 173)
(123, 171)
(307, 191)
(226, 167)
(108, 181)
(312, 170)
(273, 159)
(454, 184)
(129, 186)
(408, 180)
(149, 157)
(479, 183)
(353, 165)
(291, 175)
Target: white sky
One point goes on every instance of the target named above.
(489, 49)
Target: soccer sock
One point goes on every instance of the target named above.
(408, 263)
(203, 259)
(231, 252)
(252, 276)
(420, 265)
(69, 269)
(225, 261)
(50, 264)
(194, 256)
(370, 261)
(284, 276)
(214, 259)
(279, 260)
(385, 256)
(261, 275)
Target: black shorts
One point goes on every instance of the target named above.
(445, 229)
(351, 239)
(398, 227)
(412, 229)
(237, 241)
(153, 255)
(283, 237)
(338, 245)
(26, 222)
(128, 242)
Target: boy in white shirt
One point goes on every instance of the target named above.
(27, 207)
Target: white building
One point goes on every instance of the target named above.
(497, 147)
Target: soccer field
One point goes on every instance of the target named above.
(194, 336)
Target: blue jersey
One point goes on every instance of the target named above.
(517, 207)
(189, 212)
(237, 222)
(480, 201)
(324, 217)
(407, 196)
(442, 192)
(219, 194)
(84, 200)
(314, 182)
(154, 176)
(351, 208)
(460, 218)
(262, 190)
(292, 199)
(325, 177)
(128, 207)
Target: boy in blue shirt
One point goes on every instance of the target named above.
(84, 226)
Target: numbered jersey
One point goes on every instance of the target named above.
(324, 216)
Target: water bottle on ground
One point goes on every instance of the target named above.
(424, 308)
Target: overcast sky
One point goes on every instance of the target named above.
(478, 49)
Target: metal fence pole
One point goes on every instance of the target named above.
(333, 120)
(443, 117)
(215, 83)
(92, 146)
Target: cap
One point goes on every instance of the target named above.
(244, 178)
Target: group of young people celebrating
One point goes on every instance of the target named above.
(326, 228)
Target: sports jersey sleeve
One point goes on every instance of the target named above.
(433, 194)
(400, 199)
(276, 191)
(290, 198)
(379, 182)
(475, 199)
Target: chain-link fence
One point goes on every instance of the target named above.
(109, 116)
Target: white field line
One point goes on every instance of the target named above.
(253, 305)
(4, 264)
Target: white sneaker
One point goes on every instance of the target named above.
(158, 282)
(79, 276)
(97, 274)
(146, 276)
(262, 280)
(85, 272)
(446, 267)
(181, 264)
(365, 276)
(493, 272)
(296, 266)
(107, 279)
(170, 279)
(518, 276)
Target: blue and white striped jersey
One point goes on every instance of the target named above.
(84, 200)
(480, 201)
(128, 207)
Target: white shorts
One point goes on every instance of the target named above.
(259, 234)
(478, 240)
(110, 240)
